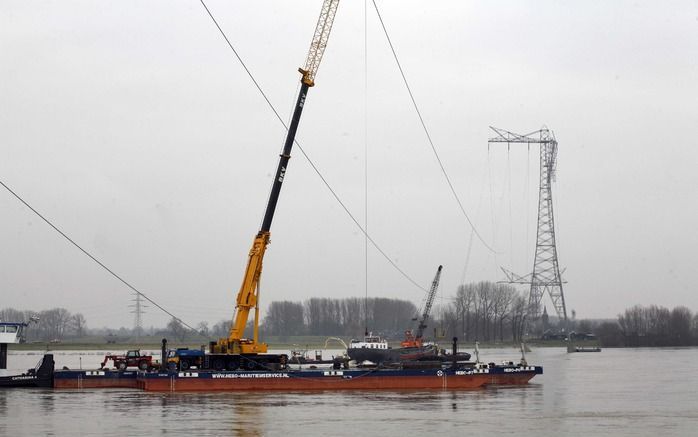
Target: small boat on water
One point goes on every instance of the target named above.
(586, 349)
(40, 376)
(413, 349)
(375, 349)
(582, 342)
(372, 348)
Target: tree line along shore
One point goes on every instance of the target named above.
(492, 314)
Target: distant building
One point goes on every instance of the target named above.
(544, 318)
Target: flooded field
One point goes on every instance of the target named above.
(619, 392)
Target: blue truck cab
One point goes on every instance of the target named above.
(184, 358)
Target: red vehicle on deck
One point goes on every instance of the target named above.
(131, 359)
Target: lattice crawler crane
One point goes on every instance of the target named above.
(415, 339)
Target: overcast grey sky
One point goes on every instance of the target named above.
(132, 127)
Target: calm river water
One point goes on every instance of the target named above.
(618, 392)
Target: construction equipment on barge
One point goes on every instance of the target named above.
(132, 358)
(236, 363)
(406, 375)
(376, 350)
(415, 339)
(235, 351)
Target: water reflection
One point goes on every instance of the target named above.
(617, 392)
(248, 418)
(47, 401)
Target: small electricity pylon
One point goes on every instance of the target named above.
(137, 315)
(546, 276)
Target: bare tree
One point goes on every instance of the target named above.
(484, 296)
(78, 325)
(284, 318)
(53, 324)
(518, 317)
(202, 327)
(465, 298)
(176, 329)
(221, 329)
(501, 304)
(656, 326)
(680, 326)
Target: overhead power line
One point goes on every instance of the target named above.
(426, 131)
(100, 263)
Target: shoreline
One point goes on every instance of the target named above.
(309, 345)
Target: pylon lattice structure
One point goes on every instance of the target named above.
(546, 277)
(137, 312)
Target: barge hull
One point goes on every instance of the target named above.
(40, 376)
(511, 375)
(518, 379)
(305, 381)
(376, 379)
(72, 379)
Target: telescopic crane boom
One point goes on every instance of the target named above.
(415, 339)
(248, 296)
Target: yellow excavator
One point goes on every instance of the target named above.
(235, 351)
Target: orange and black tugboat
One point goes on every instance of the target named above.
(412, 348)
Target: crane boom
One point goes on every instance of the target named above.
(415, 339)
(248, 295)
(319, 42)
(428, 304)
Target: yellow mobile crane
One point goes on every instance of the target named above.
(235, 351)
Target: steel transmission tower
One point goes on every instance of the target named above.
(137, 312)
(545, 277)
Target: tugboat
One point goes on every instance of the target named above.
(372, 348)
(40, 376)
(376, 350)
(413, 348)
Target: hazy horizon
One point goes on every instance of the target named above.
(132, 127)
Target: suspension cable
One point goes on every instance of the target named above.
(100, 263)
(472, 234)
(426, 131)
(493, 216)
(366, 166)
(511, 217)
(528, 177)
